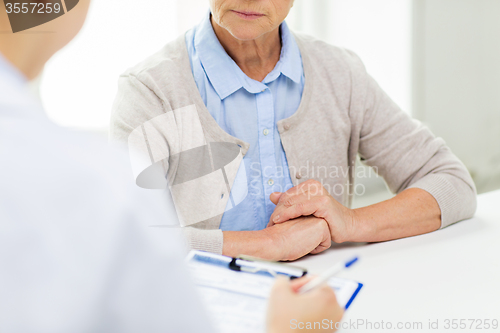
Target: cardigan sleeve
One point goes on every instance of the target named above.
(205, 240)
(135, 105)
(407, 155)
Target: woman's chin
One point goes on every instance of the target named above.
(245, 34)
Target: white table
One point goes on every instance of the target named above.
(452, 273)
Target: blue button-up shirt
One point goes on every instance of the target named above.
(249, 110)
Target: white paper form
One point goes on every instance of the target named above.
(237, 301)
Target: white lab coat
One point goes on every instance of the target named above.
(77, 253)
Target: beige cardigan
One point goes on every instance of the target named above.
(343, 113)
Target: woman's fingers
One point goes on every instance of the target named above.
(301, 200)
(275, 197)
(296, 206)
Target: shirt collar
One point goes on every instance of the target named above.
(290, 63)
(225, 75)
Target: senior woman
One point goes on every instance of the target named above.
(258, 129)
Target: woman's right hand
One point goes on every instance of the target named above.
(289, 311)
(285, 241)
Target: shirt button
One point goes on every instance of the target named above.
(286, 127)
(298, 175)
(270, 182)
(266, 131)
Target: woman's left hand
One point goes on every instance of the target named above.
(311, 198)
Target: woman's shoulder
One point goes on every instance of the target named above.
(170, 61)
(320, 53)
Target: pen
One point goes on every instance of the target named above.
(319, 280)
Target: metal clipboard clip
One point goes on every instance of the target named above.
(253, 265)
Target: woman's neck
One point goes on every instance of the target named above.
(257, 57)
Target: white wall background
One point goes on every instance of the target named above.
(79, 84)
(379, 31)
(457, 80)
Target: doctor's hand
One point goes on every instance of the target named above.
(289, 311)
(311, 198)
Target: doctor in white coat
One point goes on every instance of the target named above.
(76, 252)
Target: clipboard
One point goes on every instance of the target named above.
(235, 290)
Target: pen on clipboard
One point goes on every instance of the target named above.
(319, 280)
